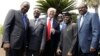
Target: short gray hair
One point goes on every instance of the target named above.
(81, 5)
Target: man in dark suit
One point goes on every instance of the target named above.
(67, 40)
(37, 27)
(88, 31)
(61, 21)
(51, 34)
(15, 31)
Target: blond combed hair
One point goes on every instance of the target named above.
(52, 9)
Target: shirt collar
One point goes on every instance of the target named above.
(85, 14)
(36, 19)
(48, 18)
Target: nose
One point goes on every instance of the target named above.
(26, 9)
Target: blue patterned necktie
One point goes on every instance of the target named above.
(24, 21)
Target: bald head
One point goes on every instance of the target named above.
(25, 7)
(25, 3)
(82, 8)
(36, 12)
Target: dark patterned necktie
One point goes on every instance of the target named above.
(24, 21)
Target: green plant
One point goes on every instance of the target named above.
(59, 5)
(1, 29)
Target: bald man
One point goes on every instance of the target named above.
(15, 31)
(37, 27)
(88, 31)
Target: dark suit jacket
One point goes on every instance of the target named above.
(53, 42)
(14, 30)
(36, 34)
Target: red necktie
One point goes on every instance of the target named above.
(48, 29)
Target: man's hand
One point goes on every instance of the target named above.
(69, 54)
(6, 46)
(53, 30)
(92, 49)
(59, 51)
(40, 52)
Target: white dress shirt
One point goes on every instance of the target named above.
(82, 19)
(81, 22)
(62, 25)
(36, 21)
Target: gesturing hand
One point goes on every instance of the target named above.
(59, 52)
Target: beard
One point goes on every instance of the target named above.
(36, 16)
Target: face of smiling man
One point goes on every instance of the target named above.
(25, 7)
(82, 9)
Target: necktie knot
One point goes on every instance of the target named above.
(50, 19)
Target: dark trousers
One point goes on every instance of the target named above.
(50, 49)
(15, 52)
(32, 52)
(88, 54)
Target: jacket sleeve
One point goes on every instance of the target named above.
(43, 37)
(61, 40)
(74, 45)
(95, 30)
(7, 26)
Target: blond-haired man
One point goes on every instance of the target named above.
(51, 33)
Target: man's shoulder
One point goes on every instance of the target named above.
(43, 21)
(74, 25)
(11, 11)
(31, 20)
(91, 14)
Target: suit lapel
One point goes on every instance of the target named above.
(38, 23)
(27, 22)
(33, 23)
(85, 19)
(79, 19)
(20, 19)
(45, 28)
(54, 24)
